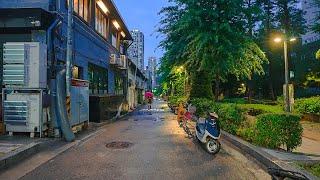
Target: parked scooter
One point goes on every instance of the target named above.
(208, 133)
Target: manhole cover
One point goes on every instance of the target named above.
(119, 145)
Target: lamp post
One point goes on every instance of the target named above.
(286, 69)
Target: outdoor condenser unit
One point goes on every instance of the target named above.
(23, 111)
(24, 65)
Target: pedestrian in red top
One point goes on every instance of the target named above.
(149, 97)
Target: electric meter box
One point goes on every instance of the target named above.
(25, 65)
(23, 111)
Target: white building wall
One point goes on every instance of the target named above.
(311, 11)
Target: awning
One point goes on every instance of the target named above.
(21, 20)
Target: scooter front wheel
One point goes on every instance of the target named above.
(213, 146)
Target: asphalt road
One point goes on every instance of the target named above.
(160, 150)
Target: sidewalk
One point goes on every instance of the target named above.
(14, 149)
(273, 158)
(310, 139)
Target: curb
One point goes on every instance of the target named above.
(14, 157)
(263, 157)
(18, 155)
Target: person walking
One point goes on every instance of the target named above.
(149, 97)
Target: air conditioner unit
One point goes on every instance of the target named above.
(23, 112)
(25, 65)
(113, 59)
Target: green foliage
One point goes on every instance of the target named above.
(204, 106)
(201, 86)
(235, 100)
(313, 168)
(231, 117)
(247, 133)
(176, 100)
(280, 100)
(211, 36)
(318, 55)
(308, 105)
(264, 108)
(276, 130)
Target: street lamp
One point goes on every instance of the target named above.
(286, 66)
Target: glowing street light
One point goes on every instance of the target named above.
(286, 66)
(292, 39)
(277, 40)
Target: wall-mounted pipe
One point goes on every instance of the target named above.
(61, 106)
(51, 58)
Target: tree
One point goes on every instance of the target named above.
(201, 86)
(210, 36)
(279, 17)
(267, 26)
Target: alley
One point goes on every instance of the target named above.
(159, 150)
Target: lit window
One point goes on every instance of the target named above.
(101, 22)
(82, 8)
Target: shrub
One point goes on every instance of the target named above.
(275, 130)
(235, 100)
(308, 105)
(203, 106)
(262, 107)
(280, 100)
(175, 100)
(247, 133)
(231, 117)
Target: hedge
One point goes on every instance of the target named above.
(203, 106)
(175, 100)
(276, 130)
(231, 117)
(308, 105)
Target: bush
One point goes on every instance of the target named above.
(176, 100)
(275, 130)
(262, 108)
(231, 117)
(235, 100)
(308, 105)
(203, 106)
(247, 133)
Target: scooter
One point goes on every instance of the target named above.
(208, 133)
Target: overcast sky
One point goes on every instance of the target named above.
(143, 15)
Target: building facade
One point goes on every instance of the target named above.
(136, 50)
(100, 41)
(311, 11)
(137, 82)
(152, 67)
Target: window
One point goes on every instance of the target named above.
(98, 78)
(119, 86)
(82, 8)
(113, 37)
(101, 22)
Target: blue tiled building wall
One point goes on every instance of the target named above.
(89, 46)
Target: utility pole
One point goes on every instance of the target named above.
(69, 47)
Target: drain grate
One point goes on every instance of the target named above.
(119, 145)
